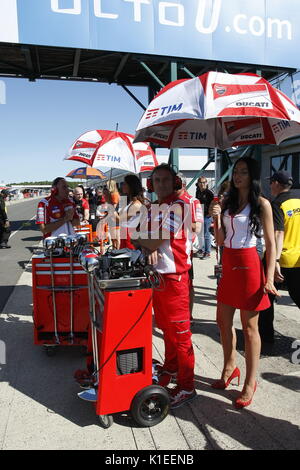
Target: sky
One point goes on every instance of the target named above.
(40, 120)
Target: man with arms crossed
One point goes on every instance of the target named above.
(169, 242)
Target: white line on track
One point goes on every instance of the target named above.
(16, 231)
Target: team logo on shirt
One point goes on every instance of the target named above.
(292, 212)
(56, 212)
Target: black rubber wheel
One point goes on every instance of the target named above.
(150, 406)
(106, 421)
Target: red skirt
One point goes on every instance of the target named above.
(243, 279)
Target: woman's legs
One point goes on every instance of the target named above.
(252, 351)
(225, 315)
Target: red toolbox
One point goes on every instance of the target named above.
(60, 301)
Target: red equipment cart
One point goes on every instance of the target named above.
(60, 302)
(121, 330)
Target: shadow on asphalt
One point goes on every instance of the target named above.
(243, 426)
(291, 382)
(32, 239)
(22, 225)
(49, 382)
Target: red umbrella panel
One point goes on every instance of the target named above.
(86, 173)
(219, 110)
(112, 149)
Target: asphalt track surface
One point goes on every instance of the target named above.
(25, 236)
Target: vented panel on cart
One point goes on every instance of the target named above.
(130, 361)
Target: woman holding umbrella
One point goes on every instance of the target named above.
(112, 197)
(133, 189)
(243, 284)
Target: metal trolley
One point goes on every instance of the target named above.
(121, 339)
(60, 295)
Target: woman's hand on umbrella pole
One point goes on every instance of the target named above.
(215, 209)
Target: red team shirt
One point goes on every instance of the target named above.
(50, 210)
(175, 251)
(197, 213)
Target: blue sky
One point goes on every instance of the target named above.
(40, 121)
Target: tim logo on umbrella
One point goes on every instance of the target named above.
(107, 158)
(163, 111)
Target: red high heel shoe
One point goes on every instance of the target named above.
(241, 403)
(221, 384)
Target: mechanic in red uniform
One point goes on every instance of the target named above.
(169, 239)
(56, 214)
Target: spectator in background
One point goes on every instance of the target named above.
(4, 222)
(286, 217)
(205, 197)
(111, 193)
(82, 205)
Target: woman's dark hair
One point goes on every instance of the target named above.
(56, 181)
(232, 200)
(135, 188)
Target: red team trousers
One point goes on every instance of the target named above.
(172, 316)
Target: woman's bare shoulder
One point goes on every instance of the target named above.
(264, 203)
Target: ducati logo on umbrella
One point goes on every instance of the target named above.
(221, 90)
(78, 144)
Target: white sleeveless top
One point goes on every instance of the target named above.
(237, 229)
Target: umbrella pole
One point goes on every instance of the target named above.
(216, 172)
(110, 174)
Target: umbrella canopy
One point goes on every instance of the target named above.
(86, 173)
(112, 149)
(219, 110)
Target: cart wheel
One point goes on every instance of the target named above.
(150, 405)
(106, 421)
(50, 350)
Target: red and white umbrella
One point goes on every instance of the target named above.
(112, 149)
(219, 110)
